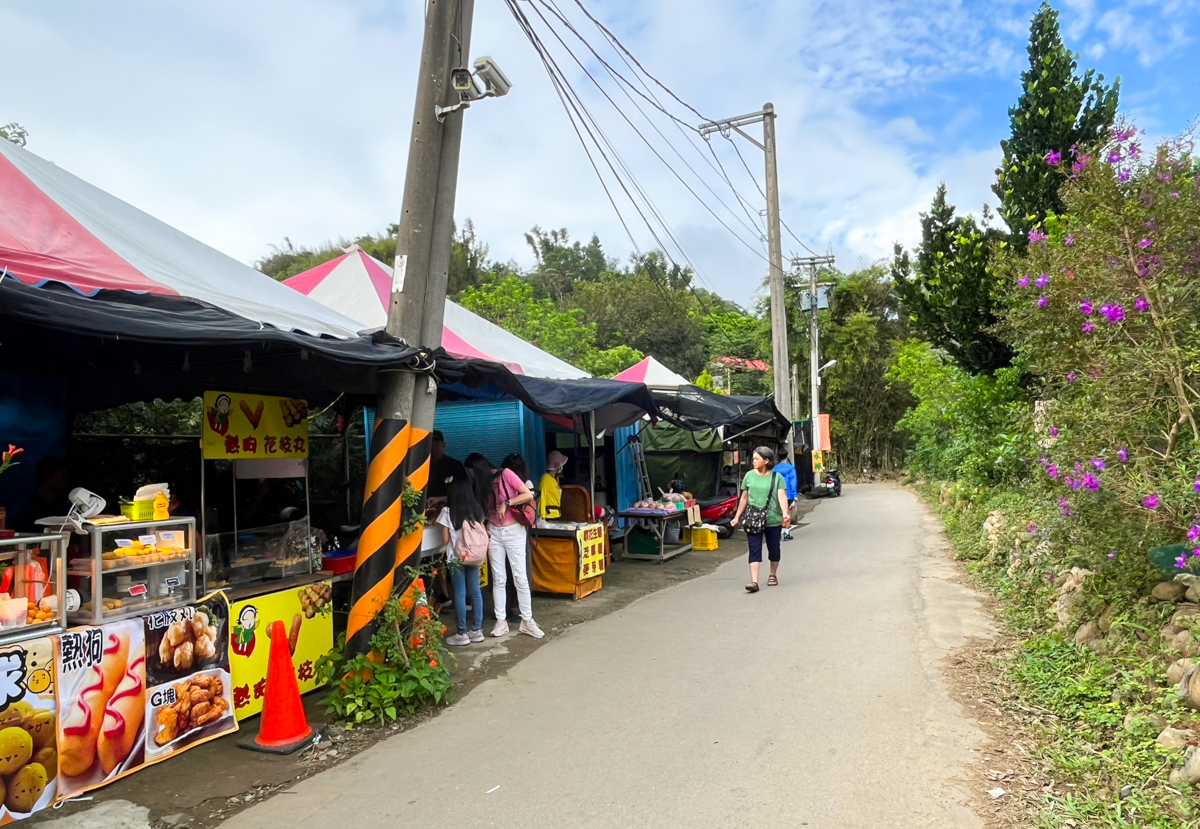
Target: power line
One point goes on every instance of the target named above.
(742, 158)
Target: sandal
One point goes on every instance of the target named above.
(772, 581)
(752, 587)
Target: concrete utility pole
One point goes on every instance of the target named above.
(779, 345)
(814, 335)
(414, 249)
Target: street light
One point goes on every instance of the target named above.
(830, 364)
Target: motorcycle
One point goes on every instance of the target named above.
(833, 483)
(719, 511)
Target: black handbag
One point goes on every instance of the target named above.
(754, 519)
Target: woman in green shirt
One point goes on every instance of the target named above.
(764, 501)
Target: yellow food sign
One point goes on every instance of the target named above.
(306, 613)
(591, 551)
(818, 463)
(238, 426)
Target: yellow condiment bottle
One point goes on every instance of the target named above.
(160, 507)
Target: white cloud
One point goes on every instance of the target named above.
(244, 123)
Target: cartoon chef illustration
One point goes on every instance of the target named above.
(243, 632)
(218, 415)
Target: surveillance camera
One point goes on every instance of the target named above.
(460, 79)
(471, 93)
(493, 79)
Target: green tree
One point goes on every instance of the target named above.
(562, 264)
(511, 304)
(639, 311)
(15, 133)
(949, 292)
(1059, 112)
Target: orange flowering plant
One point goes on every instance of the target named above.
(6, 457)
(407, 670)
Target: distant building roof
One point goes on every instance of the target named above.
(739, 362)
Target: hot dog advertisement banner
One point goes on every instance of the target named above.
(305, 613)
(28, 742)
(238, 426)
(134, 692)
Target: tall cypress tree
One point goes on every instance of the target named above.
(1057, 111)
(949, 292)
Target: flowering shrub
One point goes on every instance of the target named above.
(1105, 308)
(6, 457)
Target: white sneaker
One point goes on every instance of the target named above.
(501, 628)
(458, 640)
(530, 628)
(475, 635)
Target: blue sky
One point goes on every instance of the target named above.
(242, 123)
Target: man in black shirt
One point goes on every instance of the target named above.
(442, 469)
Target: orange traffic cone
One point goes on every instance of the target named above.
(283, 728)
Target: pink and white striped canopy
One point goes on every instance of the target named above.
(57, 228)
(360, 287)
(653, 373)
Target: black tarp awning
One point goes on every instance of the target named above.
(614, 403)
(118, 347)
(695, 408)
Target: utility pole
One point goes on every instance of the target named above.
(414, 251)
(814, 335)
(795, 390)
(405, 402)
(775, 276)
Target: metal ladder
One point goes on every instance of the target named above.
(639, 464)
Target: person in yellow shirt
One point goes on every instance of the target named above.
(550, 496)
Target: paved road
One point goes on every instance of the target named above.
(816, 703)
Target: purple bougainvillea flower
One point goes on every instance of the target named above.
(1123, 176)
(1078, 467)
(1071, 377)
(1196, 486)
(1053, 431)
(1122, 454)
(1087, 328)
(1114, 156)
(1064, 507)
(1193, 533)
(1135, 151)
(1042, 301)
(1196, 552)
(1141, 304)
(1085, 306)
(1091, 482)
(1043, 280)
(1106, 309)
(1032, 528)
(1036, 236)
(1181, 562)
(1024, 281)
(1053, 157)
(1145, 243)
(1112, 555)
(1052, 471)
(1098, 463)
(1121, 136)
(1069, 240)
(1174, 194)
(1150, 501)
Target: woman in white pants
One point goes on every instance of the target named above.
(501, 491)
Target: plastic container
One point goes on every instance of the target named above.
(703, 539)
(138, 510)
(338, 562)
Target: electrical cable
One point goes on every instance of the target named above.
(576, 109)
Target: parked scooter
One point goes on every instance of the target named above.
(833, 483)
(719, 511)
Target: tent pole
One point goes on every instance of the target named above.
(592, 463)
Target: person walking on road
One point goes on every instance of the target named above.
(788, 473)
(765, 509)
(502, 491)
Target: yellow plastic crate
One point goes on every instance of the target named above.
(138, 510)
(703, 539)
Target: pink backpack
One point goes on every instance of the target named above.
(472, 545)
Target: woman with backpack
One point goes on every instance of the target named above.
(765, 507)
(508, 503)
(467, 541)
